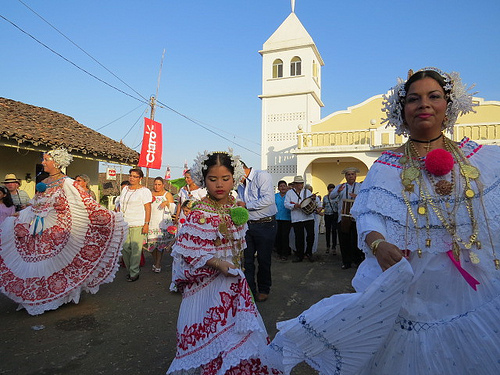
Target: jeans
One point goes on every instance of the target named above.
(260, 240)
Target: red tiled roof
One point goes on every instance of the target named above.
(43, 127)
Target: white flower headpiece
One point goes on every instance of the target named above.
(61, 157)
(459, 101)
(199, 166)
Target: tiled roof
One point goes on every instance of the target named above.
(42, 127)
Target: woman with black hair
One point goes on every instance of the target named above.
(219, 330)
(7, 207)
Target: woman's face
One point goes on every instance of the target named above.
(49, 165)
(134, 178)
(219, 182)
(282, 188)
(425, 107)
(158, 186)
(2, 195)
(81, 182)
(188, 178)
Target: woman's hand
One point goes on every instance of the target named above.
(224, 267)
(387, 255)
(145, 229)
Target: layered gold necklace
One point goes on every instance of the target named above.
(444, 192)
(225, 222)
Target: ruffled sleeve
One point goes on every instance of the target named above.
(200, 240)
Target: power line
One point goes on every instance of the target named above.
(119, 118)
(81, 49)
(142, 114)
(206, 128)
(123, 92)
(71, 62)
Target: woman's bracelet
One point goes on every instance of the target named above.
(374, 245)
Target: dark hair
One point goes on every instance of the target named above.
(159, 179)
(330, 186)
(427, 74)
(218, 158)
(188, 204)
(282, 182)
(7, 200)
(125, 183)
(138, 171)
(187, 171)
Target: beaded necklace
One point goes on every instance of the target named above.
(125, 200)
(412, 174)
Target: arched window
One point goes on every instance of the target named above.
(278, 68)
(296, 66)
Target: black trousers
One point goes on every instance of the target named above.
(283, 238)
(331, 230)
(298, 229)
(260, 240)
(349, 246)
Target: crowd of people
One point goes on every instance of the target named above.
(421, 229)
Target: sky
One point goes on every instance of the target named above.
(211, 75)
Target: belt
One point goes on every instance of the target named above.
(267, 219)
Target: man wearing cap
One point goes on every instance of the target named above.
(19, 197)
(256, 194)
(300, 220)
(345, 194)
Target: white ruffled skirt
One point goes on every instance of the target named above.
(62, 245)
(219, 330)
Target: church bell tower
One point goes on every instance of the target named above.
(291, 94)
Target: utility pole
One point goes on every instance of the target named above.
(152, 103)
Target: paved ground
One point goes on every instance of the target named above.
(129, 328)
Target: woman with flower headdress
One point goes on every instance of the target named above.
(219, 330)
(61, 244)
(427, 218)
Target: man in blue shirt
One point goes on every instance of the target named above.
(256, 194)
(284, 221)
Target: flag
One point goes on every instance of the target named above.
(151, 150)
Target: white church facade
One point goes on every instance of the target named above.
(296, 140)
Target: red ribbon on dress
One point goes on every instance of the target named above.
(466, 275)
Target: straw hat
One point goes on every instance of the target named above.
(298, 180)
(350, 169)
(11, 177)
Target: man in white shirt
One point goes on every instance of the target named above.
(345, 194)
(300, 220)
(256, 193)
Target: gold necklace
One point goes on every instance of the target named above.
(225, 218)
(412, 174)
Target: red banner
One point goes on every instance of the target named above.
(151, 145)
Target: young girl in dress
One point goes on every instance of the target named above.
(7, 207)
(219, 330)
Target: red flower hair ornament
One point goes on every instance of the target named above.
(439, 162)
